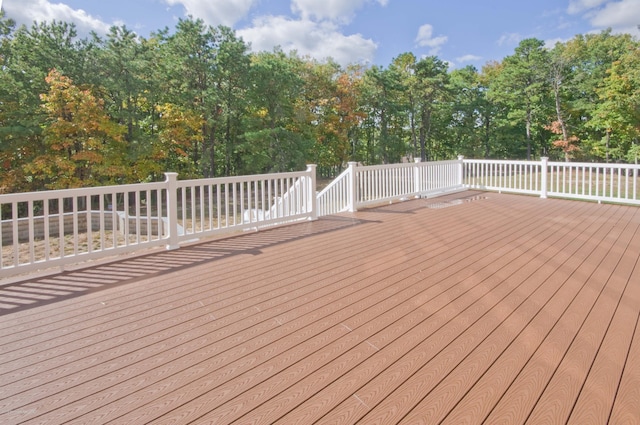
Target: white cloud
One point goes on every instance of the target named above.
(27, 11)
(551, 43)
(317, 40)
(579, 6)
(509, 39)
(622, 16)
(468, 58)
(216, 12)
(334, 10)
(425, 39)
(617, 15)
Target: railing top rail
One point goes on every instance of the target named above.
(404, 165)
(593, 165)
(553, 163)
(333, 183)
(78, 192)
(100, 190)
(500, 161)
(248, 178)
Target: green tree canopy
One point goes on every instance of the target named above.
(195, 99)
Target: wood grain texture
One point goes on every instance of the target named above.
(627, 398)
(483, 396)
(558, 400)
(487, 308)
(598, 392)
(489, 286)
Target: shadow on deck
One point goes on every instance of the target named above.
(29, 293)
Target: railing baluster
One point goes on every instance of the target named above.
(148, 209)
(30, 217)
(137, 200)
(219, 209)
(619, 193)
(193, 192)
(16, 235)
(87, 225)
(200, 203)
(46, 225)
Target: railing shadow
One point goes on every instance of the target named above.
(410, 206)
(42, 290)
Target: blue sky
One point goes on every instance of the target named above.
(461, 32)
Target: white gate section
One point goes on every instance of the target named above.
(54, 228)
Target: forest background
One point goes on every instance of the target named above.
(121, 108)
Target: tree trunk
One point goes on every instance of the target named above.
(384, 135)
(528, 127)
(487, 133)
(212, 154)
(229, 146)
(425, 125)
(412, 123)
(563, 125)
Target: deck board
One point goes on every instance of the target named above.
(469, 308)
(599, 389)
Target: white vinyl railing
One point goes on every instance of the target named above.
(596, 182)
(54, 228)
(57, 227)
(336, 197)
(359, 187)
(616, 183)
(210, 206)
(503, 176)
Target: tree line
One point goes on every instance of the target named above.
(122, 108)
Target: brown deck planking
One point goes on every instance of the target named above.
(628, 393)
(527, 269)
(420, 414)
(385, 282)
(599, 389)
(483, 396)
(209, 401)
(306, 343)
(502, 259)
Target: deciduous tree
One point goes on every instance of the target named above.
(84, 147)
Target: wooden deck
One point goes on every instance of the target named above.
(467, 309)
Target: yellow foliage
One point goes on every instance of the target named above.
(85, 147)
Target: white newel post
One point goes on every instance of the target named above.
(417, 181)
(461, 170)
(311, 197)
(544, 169)
(172, 209)
(351, 192)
